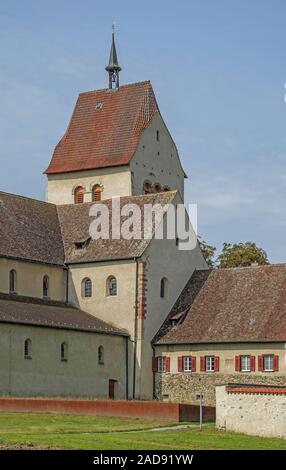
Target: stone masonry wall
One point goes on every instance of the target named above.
(251, 413)
(182, 387)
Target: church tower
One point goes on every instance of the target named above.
(116, 144)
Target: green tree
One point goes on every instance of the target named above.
(241, 254)
(208, 252)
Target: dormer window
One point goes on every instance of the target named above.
(80, 245)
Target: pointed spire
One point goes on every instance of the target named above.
(113, 67)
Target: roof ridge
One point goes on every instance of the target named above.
(271, 265)
(20, 196)
(133, 196)
(115, 90)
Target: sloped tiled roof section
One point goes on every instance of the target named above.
(230, 305)
(75, 224)
(30, 230)
(105, 128)
(36, 312)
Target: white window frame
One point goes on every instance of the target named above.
(161, 364)
(87, 288)
(187, 363)
(245, 365)
(210, 363)
(268, 357)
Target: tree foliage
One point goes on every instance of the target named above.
(208, 252)
(241, 254)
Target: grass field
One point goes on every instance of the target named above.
(102, 433)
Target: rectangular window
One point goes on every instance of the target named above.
(268, 363)
(161, 364)
(245, 363)
(210, 363)
(187, 364)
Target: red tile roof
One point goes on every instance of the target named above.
(230, 305)
(255, 389)
(107, 136)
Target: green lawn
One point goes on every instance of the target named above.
(102, 433)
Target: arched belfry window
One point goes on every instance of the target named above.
(12, 281)
(87, 288)
(28, 349)
(64, 352)
(111, 286)
(79, 195)
(157, 188)
(147, 187)
(45, 286)
(101, 355)
(96, 193)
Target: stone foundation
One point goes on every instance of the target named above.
(183, 387)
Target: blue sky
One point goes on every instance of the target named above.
(218, 68)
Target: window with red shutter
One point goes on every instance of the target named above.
(237, 363)
(260, 363)
(252, 363)
(275, 363)
(193, 364)
(202, 363)
(216, 364)
(167, 364)
(180, 364)
(154, 364)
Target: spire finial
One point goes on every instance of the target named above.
(113, 67)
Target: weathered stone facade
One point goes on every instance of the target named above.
(183, 387)
(262, 414)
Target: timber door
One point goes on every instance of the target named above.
(111, 389)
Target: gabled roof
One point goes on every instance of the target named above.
(230, 305)
(105, 128)
(30, 230)
(75, 224)
(37, 312)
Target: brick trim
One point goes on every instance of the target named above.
(142, 290)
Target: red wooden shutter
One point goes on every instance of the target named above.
(180, 364)
(167, 367)
(252, 363)
(202, 363)
(154, 364)
(216, 364)
(260, 363)
(276, 363)
(237, 363)
(193, 364)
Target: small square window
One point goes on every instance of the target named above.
(210, 363)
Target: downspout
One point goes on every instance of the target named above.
(67, 285)
(154, 374)
(135, 331)
(127, 366)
